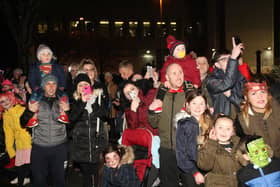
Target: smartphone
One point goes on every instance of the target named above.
(132, 94)
(150, 71)
(87, 90)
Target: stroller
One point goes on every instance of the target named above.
(141, 141)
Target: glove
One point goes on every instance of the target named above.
(11, 164)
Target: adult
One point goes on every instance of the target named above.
(260, 114)
(137, 106)
(203, 66)
(49, 148)
(171, 103)
(112, 88)
(225, 84)
(87, 116)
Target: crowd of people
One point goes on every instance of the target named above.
(211, 124)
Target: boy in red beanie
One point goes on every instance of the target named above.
(178, 55)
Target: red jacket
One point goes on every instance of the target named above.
(245, 71)
(189, 66)
(140, 118)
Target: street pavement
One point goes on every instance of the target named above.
(73, 178)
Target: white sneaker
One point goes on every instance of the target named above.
(26, 181)
(14, 181)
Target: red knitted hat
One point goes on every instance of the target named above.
(172, 43)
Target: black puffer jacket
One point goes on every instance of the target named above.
(219, 82)
(87, 144)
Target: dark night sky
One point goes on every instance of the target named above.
(8, 54)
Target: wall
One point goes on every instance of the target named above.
(254, 24)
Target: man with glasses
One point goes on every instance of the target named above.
(225, 84)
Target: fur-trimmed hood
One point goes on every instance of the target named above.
(128, 156)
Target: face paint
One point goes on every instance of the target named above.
(258, 153)
(181, 54)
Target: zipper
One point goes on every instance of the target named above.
(171, 119)
(89, 137)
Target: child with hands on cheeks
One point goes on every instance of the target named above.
(219, 155)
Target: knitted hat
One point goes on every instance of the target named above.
(48, 78)
(172, 43)
(7, 82)
(43, 48)
(81, 77)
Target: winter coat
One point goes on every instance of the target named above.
(123, 176)
(186, 144)
(219, 81)
(269, 129)
(87, 144)
(48, 132)
(140, 117)
(16, 137)
(244, 69)
(191, 72)
(35, 75)
(172, 104)
(221, 164)
(270, 176)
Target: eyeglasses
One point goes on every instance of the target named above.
(223, 59)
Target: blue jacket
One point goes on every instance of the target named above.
(124, 176)
(186, 144)
(268, 176)
(35, 75)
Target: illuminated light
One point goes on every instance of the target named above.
(269, 48)
(104, 22)
(174, 29)
(86, 22)
(82, 18)
(190, 27)
(213, 50)
(133, 23)
(118, 22)
(147, 56)
(146, 23)
(172, 23)
(160, 23)
(148, 51)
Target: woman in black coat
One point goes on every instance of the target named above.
(88, 112)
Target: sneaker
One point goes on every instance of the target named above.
(26, 181)
(14, 181)
(33, 122)
(63, 118)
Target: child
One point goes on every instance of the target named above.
(218, 155)
(190, 134)
(178, 55)
(264, 171)
(118, 170)
(39, 70)
(17, 139)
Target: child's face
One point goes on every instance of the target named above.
(223, 130)
(179, 51)
(112, 160)
(5, 102)
(197, 107)
(45, 57)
